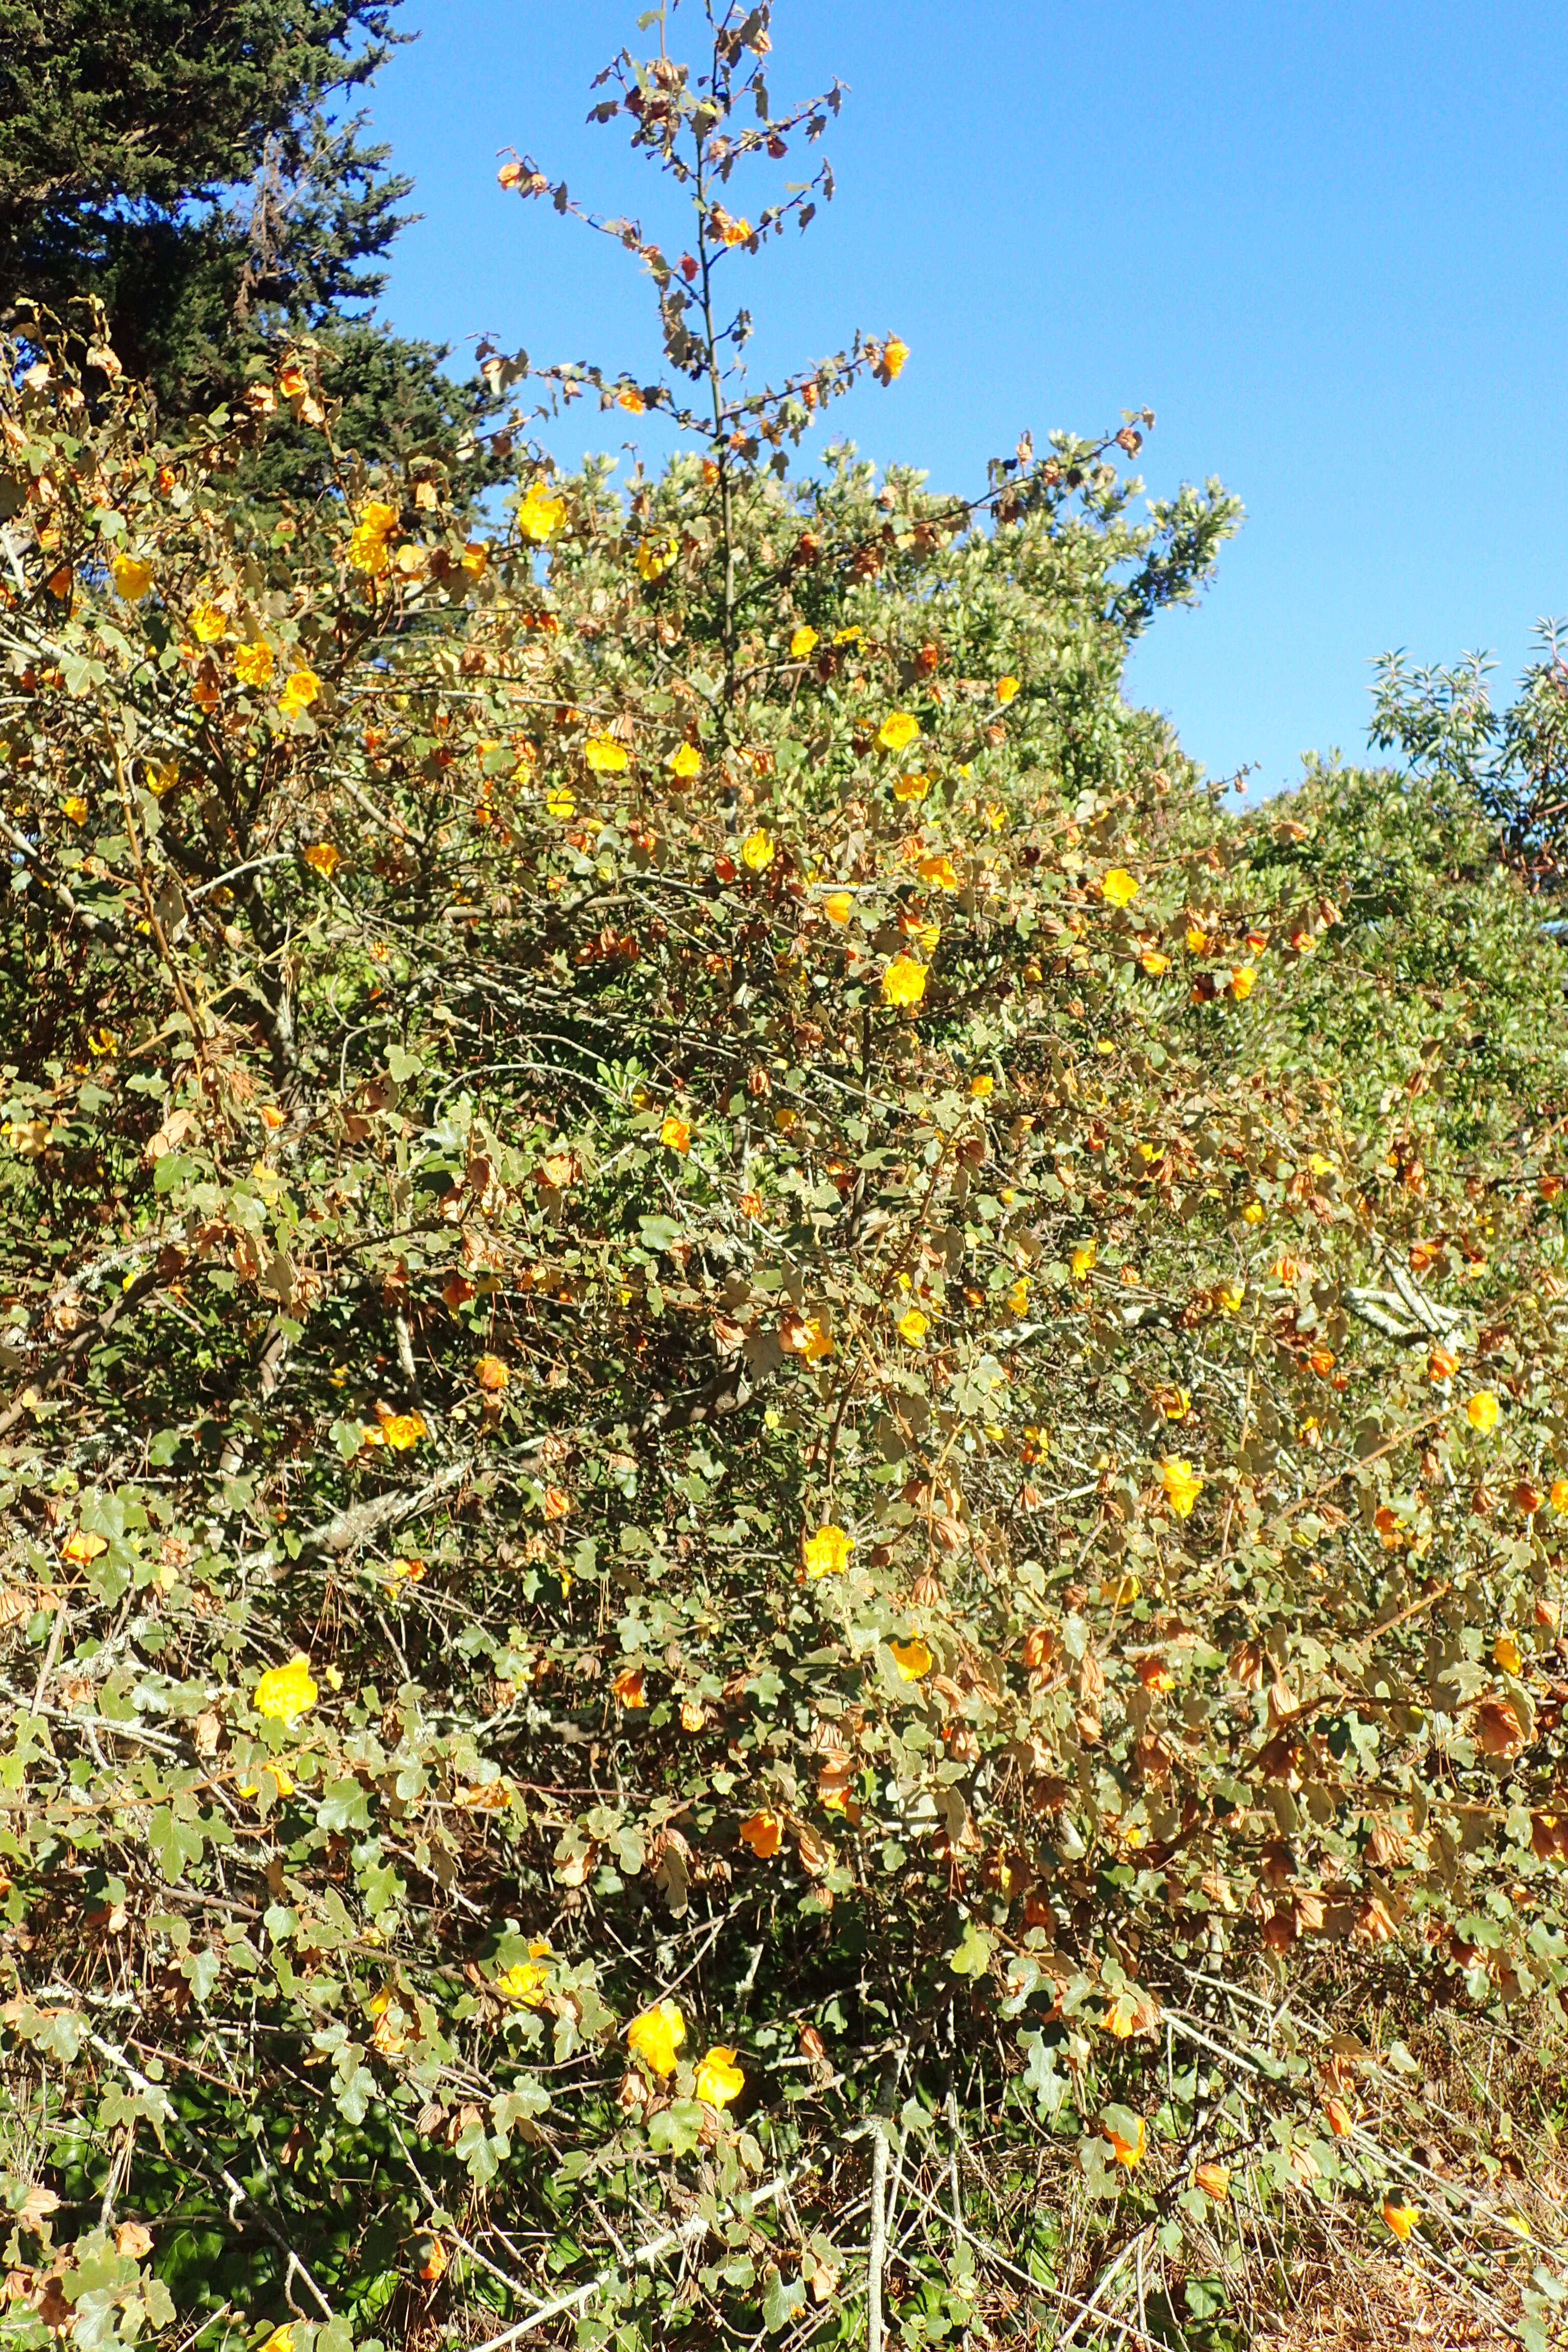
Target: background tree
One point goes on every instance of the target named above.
(188, 170)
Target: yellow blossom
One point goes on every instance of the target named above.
(323, 858)
(982, 1085)
(402, 1431)
(910, 788)
(914, 1325)
(1197, 940)
(757, 851)
(80, 1548)
(838, 906)
(131, 577)
(1482, 1409)
(1083, 1259)
(1119, 887)
(1182, 1483)
(1127, 2147)
(895, 351)
(904, 982)
(1253, 1213)
(655, 556)
(913, 1658)
(1242, 982)
(939, 872)
(75, 808)
(208, 624)
(685, 762)
(1007, 688)
(253, 664)
(801, 644)
(898, 731)
(604, 755)
(761, 1831)
(540, 516)
(719, 2080)
(301, 689)
(656, 2035)
(826, 1553)
(1400, 2218)
(676, 1134)
(1505, 1654)
(286, 1692)
(475, 558)
(525, 1980)
(493, 1374)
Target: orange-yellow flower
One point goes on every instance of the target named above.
(1007, 688)
(719, 2080)
(658, 555)
(1214, 2179)
(685, 762)
(540, 516)
(910, 788)
(838, 906)
(208, 624)
(604, 755)
(913, 1326)
(1482, 1411)
(253, 664)
(285, 1693)
(1242, 980)
(323, 858)
(1506, 1654)
(913, 1658)
(1119, 887)
(898, 731)
(676, 1134)
(628, 1687)
(1127, 2147)
(301, 689)
(802, 642)
(491, 1374)
(939, 872)
(904, 982)
(1400, 2218)
(131, 577)
(1182, 1483)
(1083, 1259)
(826, 1553)
(895, 351)
(656, 2035)
(757, 851)
(525, 1981)
(762, 1833)
(80, 1547)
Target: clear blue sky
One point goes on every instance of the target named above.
(1324, 242)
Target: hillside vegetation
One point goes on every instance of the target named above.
(784, 1454)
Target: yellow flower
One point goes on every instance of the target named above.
(718, 2079)
(604, 755)
(1482, 1409)
(80, 1548)
(1197, 940)
(839, 905)
(850, 637)
(1007, 688)
(910, 788)
(826, 1553)
(1558, 1499)
(1083, 1259)
(629, 1687)
(525, 1980)
(1119, 887)
(540, 516)
(904, 982)
(1153, 962)
(801, 644)
(1400, 2218)
(939, 872)
(559, 803)
(253, 664)
(656, 2035)
(913, 1326)
(283, 1778)
(1505, 1654)
(1228, 1296)
(280, 2340)
(285, 1693)
(757, 851)
(475, 558)
(631, 400)
(982, 1085)
(676, 1134)
(133, 578)
(655, 556)
(400, 1431)
(323, 858)
(761, 1831)
(75, 809)
(208, 625)
(1182, 1484)
(911, 1658)
(1128, 2149)
(367, 542)
(685, 762)
(898, 731)
(491, 1374)
(1018, 1296)
(301, 689)
(1242, 982)
(894, 353)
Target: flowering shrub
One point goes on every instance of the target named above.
(699, 1447)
